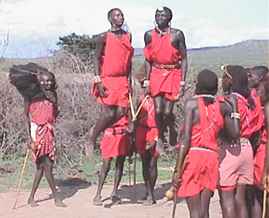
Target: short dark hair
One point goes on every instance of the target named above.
(109, 13)
(261, 71)
(207, 83)
(239, 79)
(167, 10)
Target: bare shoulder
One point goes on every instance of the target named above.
(178, 33)
(100, 37)
(147, 36)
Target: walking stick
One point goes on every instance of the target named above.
(134, 169)
(18, 187)
(174, 206)
(264, 202)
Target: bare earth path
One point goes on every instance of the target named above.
(78, 198)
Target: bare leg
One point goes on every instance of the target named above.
(205, 201)
(194, 206)
(240, 201)
(97, 200)
(117, 179)
(159, 108)
(48, 165)
(168, 118)
(37, 179)
(145, 170)
(153, 172)
(227, 203)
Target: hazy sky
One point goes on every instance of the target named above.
(35, 25)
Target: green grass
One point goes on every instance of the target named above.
(88, 172)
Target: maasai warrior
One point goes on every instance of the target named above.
(236, 164)
(38, 87)
(112, 79)
(257, 77)
(166, 67)
(146, 136)
(196, 173)
(114, 144)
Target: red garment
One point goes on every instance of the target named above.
(41, 113)
(256, 117)
(146, 131)
(115, 141)
(201, 163)
(164, 82)
(259, 160)
(114, 66)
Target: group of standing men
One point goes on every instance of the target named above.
(220, 135)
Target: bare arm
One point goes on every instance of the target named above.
(183, 50)
(147, 40)
(98, 45)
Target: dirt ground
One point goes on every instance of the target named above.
(77, 195)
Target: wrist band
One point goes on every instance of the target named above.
(182, 83)
(235, 115)
(97, 79)
(145, 83)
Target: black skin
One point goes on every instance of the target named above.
(199, 205)
(255, 194)
(110, 114)
(163, 106)
(233, 203)
(150, 174)
(44, 165)
(103, 174)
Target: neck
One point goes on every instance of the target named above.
(163, 30)
(115, 28)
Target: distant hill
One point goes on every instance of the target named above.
(246, 53)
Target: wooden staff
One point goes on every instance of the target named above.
(264, 202)
(18, 187)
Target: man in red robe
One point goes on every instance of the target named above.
(112, 77)
(114, 144)
(38, 87)
(196, 173)
(257, 77)
(166, 67)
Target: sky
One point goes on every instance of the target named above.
(33, 27)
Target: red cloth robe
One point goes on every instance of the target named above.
(160, 52)
(200, 170)
(114, 66)
(115, 141)
(146, 131)
(42, 116)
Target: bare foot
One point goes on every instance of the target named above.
(115, 199)
(32, 203)
(149, 202)
(59, 203)
(97, 201)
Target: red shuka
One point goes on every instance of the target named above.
(160, 51)
(259, 160)
(115, 141)
(42, 114)
(115, 64)
(146, 131)
(201, 163)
